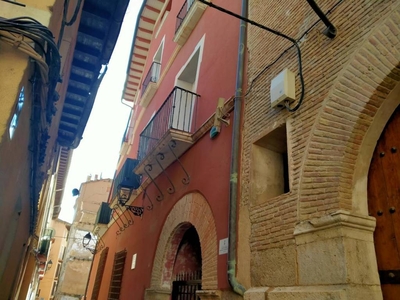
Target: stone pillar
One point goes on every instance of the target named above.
(336, 257)
(335, 260)
(209, 294)
(152, 294)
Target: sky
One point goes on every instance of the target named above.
(98, 151)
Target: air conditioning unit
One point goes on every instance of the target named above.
(283, 88)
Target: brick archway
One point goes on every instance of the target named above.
(192, 209)
(350, 121)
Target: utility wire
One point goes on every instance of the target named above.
(278, 33)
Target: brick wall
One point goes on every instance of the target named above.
(346, 81)
(191, 209)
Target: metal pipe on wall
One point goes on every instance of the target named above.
(235, 156)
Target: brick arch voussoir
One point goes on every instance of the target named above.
(327, 178)
(192, 209)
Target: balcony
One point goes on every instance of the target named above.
(187, 19)
(45, 242)
(149, 86)
(102, 219)
(169, 133)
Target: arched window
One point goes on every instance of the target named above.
(17, 111)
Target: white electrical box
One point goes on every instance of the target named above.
(283, 87)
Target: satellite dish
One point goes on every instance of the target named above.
(75, 192)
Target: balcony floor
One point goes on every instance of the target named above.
(183, 141)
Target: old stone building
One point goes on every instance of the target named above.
(48, 283)
(77, 262)
(318, 207)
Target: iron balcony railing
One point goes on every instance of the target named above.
(177, 112)
(152, 76)
(182, 13)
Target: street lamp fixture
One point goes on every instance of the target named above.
(124, 194)
(85, 242)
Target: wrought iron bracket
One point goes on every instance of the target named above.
(135, 210)
(150, 206)
(147, 169)
(171, 146)
(121, 217)
(160, 157)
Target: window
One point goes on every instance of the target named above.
(156, 68)
(184, 99)
(61, 253)
(116, 277)
(270, 167)
(189, 4)
(54, 288)
(17, 111)
(57, 274)
(99, 274)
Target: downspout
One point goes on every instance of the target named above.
(235, 157)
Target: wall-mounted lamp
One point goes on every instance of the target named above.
(85, 242)
(49, 265)
(124, 194)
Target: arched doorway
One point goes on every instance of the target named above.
(384, 205)
(190, 222)
(187, 266)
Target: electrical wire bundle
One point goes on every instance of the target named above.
(37, 41)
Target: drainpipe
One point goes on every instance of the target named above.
(235, 157)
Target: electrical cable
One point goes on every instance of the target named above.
(294, 44)
(37, 41)
(64, 21)
(278, 33)
(75, 15)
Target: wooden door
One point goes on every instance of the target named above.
(384, 205)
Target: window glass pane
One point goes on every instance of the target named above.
(13, 125)
(21, 98)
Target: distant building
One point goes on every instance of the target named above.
(76, 266)
(48, 283)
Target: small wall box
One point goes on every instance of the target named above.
(283, 87)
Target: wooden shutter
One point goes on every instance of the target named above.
(99, 274)
(116, 277)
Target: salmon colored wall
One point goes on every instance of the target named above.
(209, 174)
(218, 68)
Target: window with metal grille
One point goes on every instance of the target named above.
(116, 277)
(99, 274)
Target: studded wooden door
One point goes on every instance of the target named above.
(384, 205)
